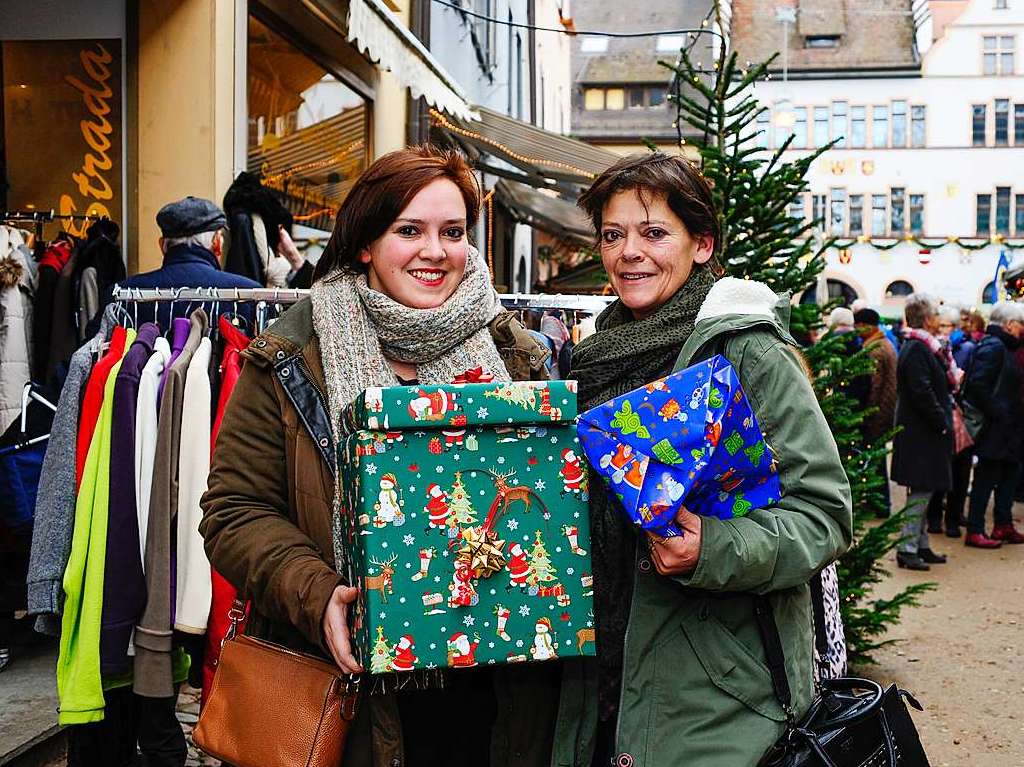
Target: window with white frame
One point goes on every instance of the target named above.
(918, 133)
(839, 126)
(879, 208)
(858, 127)
(838, 212)
(820, 126)
(1003, 210)
(880, 126)
(1018, 124)
(799, 128)
(1001, 5)
(856, 214)
(818, 202)
(998, 54)
(1018, 214)
(983, 215)
(797, 208)
(898, 200)
(899, 123)
(1002, 122)
(917, 214)
(979, 116)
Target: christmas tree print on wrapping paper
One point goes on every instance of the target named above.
(688, 439)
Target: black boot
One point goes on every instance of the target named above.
(911, 561)
(929, 556)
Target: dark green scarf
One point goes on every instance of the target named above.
(624, 354)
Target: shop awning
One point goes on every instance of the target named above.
(541, 211)
(379, 34)
(539, 154)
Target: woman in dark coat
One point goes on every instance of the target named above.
(923, 449)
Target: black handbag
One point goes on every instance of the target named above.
(851, 723)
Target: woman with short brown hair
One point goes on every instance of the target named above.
(400, 297)
(682, 676)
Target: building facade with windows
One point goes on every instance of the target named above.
(620, 88)
(924, 102)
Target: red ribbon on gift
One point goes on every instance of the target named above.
(475, 375)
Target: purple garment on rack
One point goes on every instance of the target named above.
(179, 335)
(124, 585)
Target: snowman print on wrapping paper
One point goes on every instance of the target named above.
(543, 645)
(389, 505)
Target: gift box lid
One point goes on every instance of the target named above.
(690, 439)
(456, 406)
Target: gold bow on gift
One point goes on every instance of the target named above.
(481, 550)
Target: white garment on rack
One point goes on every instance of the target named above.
(194, 577)
(17, 293)
(146, 410)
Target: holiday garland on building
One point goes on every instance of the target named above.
(753, 189)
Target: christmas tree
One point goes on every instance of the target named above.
(754, 189)
(460, 505)
(380, 661)
(540, 569)
(523, 396)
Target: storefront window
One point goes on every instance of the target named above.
(61, 122)
(308, 131)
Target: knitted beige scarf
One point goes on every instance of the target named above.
(360, 329)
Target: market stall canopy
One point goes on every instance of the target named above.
(540, 154)
(379, 34)
(542, 211)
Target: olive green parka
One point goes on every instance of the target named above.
(696, 690)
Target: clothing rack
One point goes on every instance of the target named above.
(39, 218)
(591, 304)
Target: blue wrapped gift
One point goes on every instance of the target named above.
(690, 439)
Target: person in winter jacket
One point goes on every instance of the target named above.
(994, 387)
(272, 486)
(192, 242)
(882, 391)
(926, 378)
(680, 666)
(261, 246)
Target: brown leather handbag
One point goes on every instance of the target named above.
(273, 707)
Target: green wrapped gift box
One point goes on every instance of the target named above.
(465, 525)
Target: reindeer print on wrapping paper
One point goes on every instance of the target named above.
(382, 582)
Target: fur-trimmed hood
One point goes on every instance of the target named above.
(734, 296)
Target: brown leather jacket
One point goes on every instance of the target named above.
(267, 512)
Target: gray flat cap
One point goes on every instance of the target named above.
(193, 215)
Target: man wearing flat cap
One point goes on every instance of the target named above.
(882, 393)
(192, 241)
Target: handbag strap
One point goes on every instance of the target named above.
(774, 654)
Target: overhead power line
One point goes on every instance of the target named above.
(704, 30)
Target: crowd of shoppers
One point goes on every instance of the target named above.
(951, 385)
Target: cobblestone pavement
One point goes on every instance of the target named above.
(188, 715)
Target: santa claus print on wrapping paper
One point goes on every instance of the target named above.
(434, 406)
(626, 466)
(574, 476)
(462, 652)
(461, 590)
(517, 566)
(437, 508)
(543, 644)
(389, 504)
(404, 659)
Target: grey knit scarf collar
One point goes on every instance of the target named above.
(360, 329)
